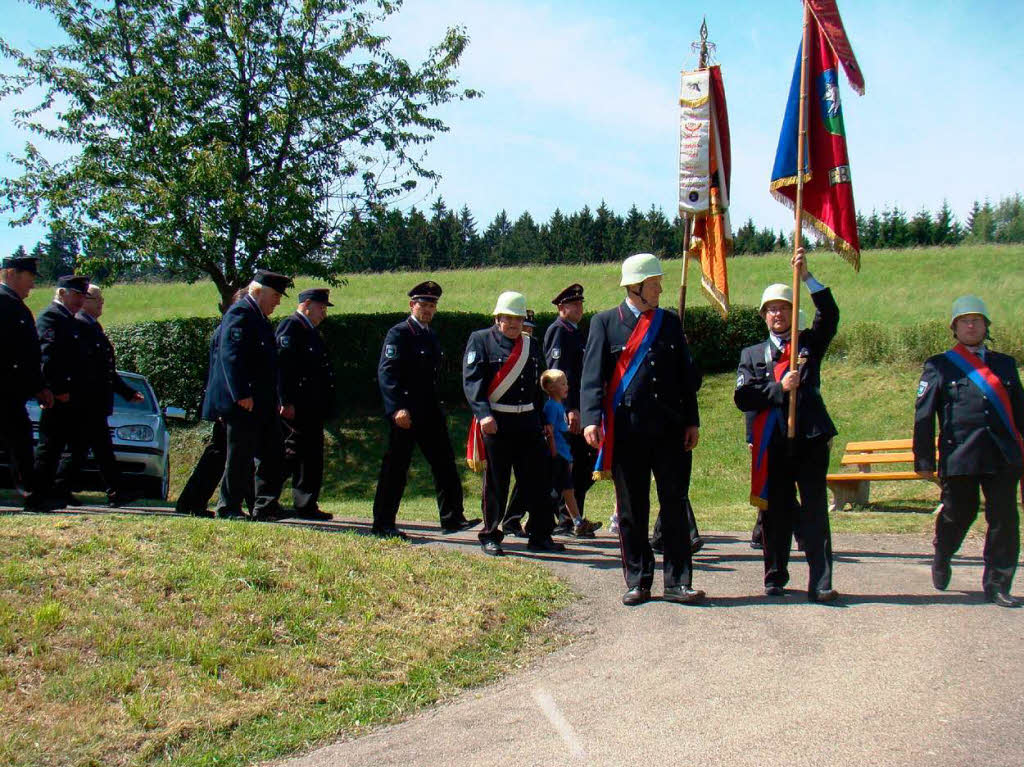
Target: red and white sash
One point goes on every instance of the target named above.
(508, 374)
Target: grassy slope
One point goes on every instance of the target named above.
(903, 287)
(193, 642)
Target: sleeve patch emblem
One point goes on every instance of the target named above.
(390, 351)
(284, 342)
(922, 388)
(556, 353)
(235, 334)
(739, 380)
(471, 356)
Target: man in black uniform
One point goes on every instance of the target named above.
(242, 390)
(63, 357)
(306, 390)
(410, 362)
(638, 402)
(209, 469)
(20, 376)
(98, 383)
(564, 345)
(763, 386)
(976, 395)
(501, 378)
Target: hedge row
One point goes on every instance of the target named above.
(173, 354)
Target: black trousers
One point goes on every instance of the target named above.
(518, 500)
(304, 461)
(430, 431)
(57, 425)
(252, 437)
(208, 473)
(1002, 540)
(583, 459)
(635, 458)
(803, 467)
(91, 430)
(16, 436)
(691, 520)
(525, 454)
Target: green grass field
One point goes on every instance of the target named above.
(903, 287)
(127, 641)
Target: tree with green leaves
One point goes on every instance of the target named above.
(217, 137)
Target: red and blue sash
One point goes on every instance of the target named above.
(991, 386)
(626, 367)
(476, 454)
(764, 426)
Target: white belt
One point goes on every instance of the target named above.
(497, 407)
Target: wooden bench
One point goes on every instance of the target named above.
(853, 487)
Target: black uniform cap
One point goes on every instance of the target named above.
(24, 264)
(76, 282)
(426, 291)
(273, 280)
(320, 295)
(572, 293)
(530, 319)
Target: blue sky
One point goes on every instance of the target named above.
(580, 101)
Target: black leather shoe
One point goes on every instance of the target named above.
(657, 546)
(774, 591)
(545, 544)
(941, 573)
(696, 545)
(388, 532)
(825, 595)
(636, 596)
(229, 513)
(562, 528)
(462, 524)
(684, 595)
(315, 514)
(756, 545)
(1001, 598)
(206, 513)
(492, 549)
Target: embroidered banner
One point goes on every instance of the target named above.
(694, 142)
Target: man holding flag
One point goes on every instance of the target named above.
(638, 403)
(977, 396)
(764, 385)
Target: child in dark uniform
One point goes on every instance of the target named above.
(556, 386)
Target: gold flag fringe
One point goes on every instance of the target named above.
(813, 225)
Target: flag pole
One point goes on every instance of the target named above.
(801, 148)
(702, 63)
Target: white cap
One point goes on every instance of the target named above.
(776, 292)
(511, 303)
(639, 267)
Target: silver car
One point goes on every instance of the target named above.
(141, 442)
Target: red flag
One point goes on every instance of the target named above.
(827, 14)
(828, 206)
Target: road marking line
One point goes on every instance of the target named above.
(558, 721)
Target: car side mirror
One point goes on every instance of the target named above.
(176, 413)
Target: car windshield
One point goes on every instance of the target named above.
(121, 405)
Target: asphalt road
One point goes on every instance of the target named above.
(895, 673)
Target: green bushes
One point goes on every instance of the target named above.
(173, 354)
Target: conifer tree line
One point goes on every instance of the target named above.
(443, 238)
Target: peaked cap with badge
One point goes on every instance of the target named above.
(77, 283)
(21, 263)
(572, 293)
(319, 295)
(426, 291)
(278, 282)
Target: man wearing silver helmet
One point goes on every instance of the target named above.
(976, 395)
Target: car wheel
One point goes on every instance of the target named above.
(159, 487)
